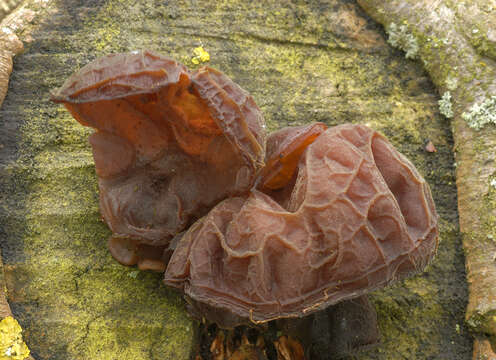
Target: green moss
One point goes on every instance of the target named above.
(70, 275)
(74, 300)
(478, 38)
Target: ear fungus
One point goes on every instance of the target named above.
(169, 144)
(355, 217)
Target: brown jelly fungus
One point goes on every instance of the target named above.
(356, 216)
(169, 143)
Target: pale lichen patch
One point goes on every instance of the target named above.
(400, 37)
(479, 115)
(451, 83)
(445, 106)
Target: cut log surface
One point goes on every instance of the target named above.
(302, 62)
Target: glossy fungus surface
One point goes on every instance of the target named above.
(169, 143)
(356, 215)
(284, 149)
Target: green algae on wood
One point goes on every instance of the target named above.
(73, 296)
(72, 299)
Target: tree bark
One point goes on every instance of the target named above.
(10, 45)
(456, 42)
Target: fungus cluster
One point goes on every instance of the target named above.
(251, 228)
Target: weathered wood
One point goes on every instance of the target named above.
(7, 6)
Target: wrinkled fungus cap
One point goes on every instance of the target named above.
(355, 216)
(169, 143)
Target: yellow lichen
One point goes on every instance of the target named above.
(200, 55)
(11, 345)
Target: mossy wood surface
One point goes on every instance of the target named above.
(302, 61)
